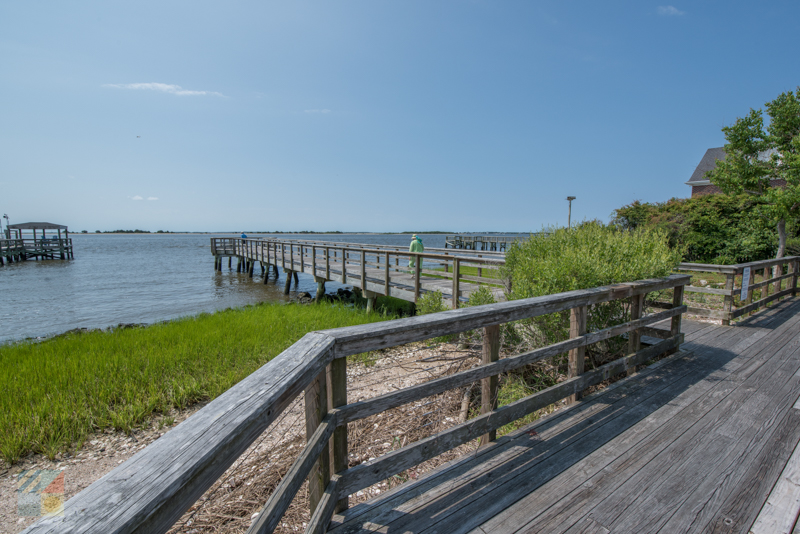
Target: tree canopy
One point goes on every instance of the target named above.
(757, 156)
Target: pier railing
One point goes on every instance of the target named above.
(763, 282)
(23, 249)
(149, 492)
(381, 270)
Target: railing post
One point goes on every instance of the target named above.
(635, 336)
(577, 327)
(417, 270)
(363, 273)
(490, 353)
(795, 265)
(316, 403)
(314, 260)
(386, 274)
(727, 305)
(337, 396)
(777, 273)
(456, 288)
(344, 265)
(675, 326)
(327, 263)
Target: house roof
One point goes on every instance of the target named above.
(708, 162)
(37, 226)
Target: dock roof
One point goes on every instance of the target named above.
(37, 226)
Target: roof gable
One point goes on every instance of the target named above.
(708, 162)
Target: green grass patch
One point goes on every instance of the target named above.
(56, 392)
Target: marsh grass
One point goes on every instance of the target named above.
(56, 392)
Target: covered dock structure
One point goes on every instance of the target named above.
(30, 240)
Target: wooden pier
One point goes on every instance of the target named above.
(481, 242)
(375, 269)
(699, 432)
(23, 243)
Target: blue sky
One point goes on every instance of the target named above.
(371, 115)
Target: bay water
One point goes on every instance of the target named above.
(144, 278)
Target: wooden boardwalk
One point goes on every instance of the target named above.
(698, 442)
(374, 269)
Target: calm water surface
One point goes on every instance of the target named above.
(141, 279)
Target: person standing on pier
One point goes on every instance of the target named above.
(416, 246)
(244, 235)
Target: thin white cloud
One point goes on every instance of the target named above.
(152, 198)
(162, 87)
(317, 110)
(670, 11)
(137, 197)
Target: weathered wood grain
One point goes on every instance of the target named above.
(149, 492)
(357, 339)
(761, 303)
(281, 498)
(322, 515)
(375, 405)
(368, 473)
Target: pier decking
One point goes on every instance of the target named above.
(703, 441)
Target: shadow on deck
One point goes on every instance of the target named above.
(693, 443)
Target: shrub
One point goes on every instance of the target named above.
(722, 229)
(590, 255)
(432, 302)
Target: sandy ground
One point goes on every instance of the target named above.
(234, 501)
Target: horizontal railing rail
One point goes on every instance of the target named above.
(149, 492)
(733, 301)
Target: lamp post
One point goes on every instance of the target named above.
(8, 230)
(569, 217)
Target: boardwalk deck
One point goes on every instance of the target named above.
(698, 442)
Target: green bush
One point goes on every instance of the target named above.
(590, 255)
(431, 302)
(721, 229)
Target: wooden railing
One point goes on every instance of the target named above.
(372, 269)
(20, 249)
(779, 276)
(485, 242)
(149, 492)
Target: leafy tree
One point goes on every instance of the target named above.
(722, 229)
(755, 156)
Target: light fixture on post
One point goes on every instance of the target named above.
(569, 217)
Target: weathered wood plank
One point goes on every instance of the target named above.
(375, 405)
(761, 303)
(161, 482)
(565, 511)
(322, 515)
(357, 339)
(368, 473)
(746, 339)
(281, 498)
(490, 352)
